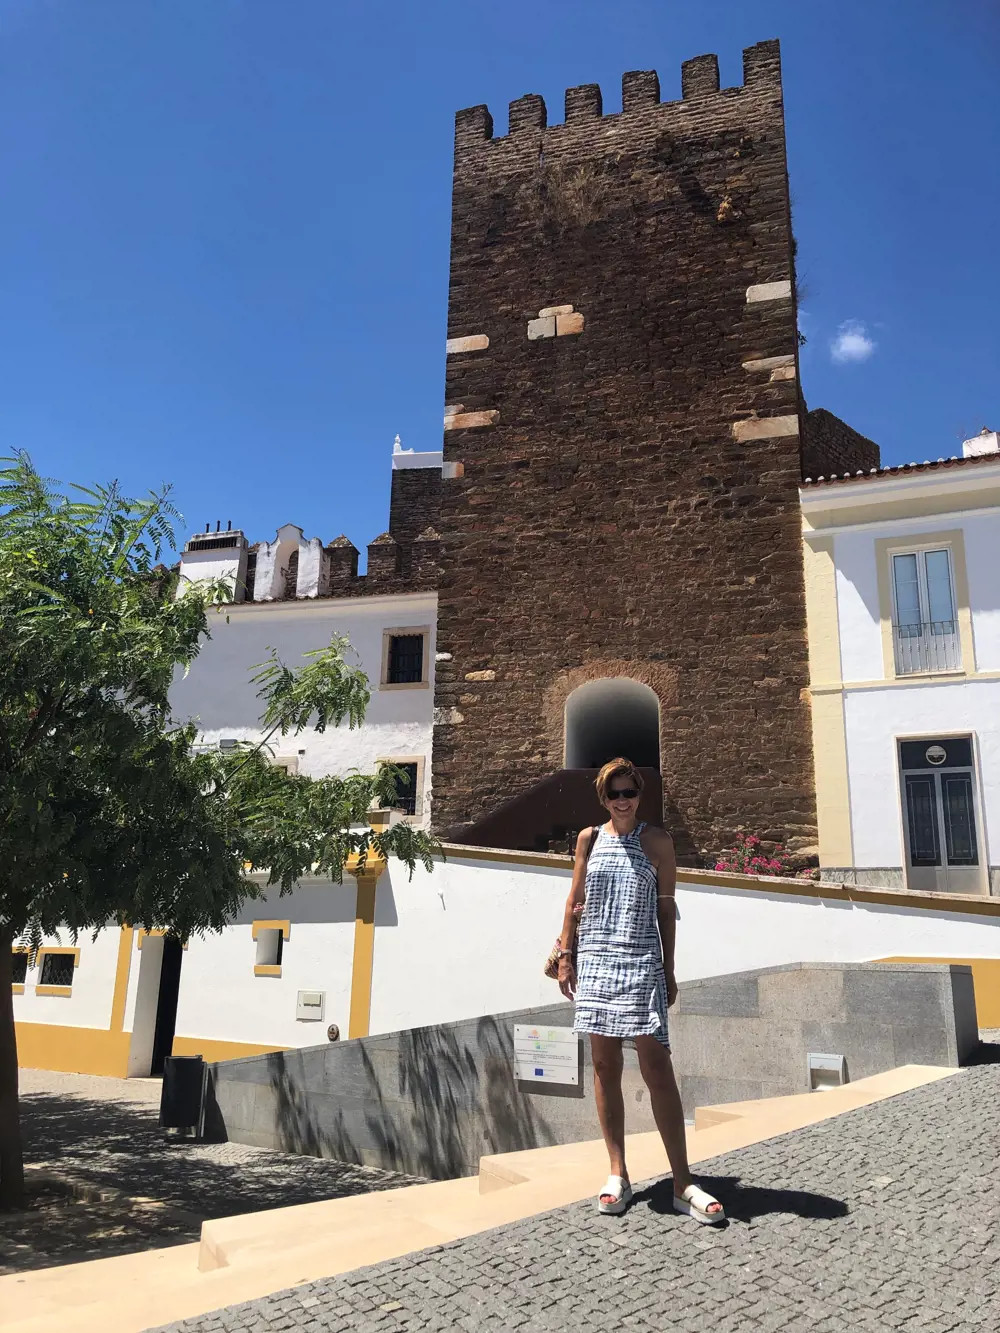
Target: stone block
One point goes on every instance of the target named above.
(769, 291)
(867, 1047)
(966, 1021)
(697, 1091)
(543, 327)
(476, 342)
(922, 1045)
(782, 373)
(726, 996)
(480, 675)
(770, 362)
(816, 992)
(555, 310)
(764, 428)
(570, 323)
(896, 993)
(467, 420)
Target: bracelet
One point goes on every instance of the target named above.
(564, 953)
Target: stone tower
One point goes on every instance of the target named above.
(619, 516)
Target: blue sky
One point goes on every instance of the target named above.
(224, 240)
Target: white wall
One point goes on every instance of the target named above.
(221, 998)
(874, 719)
(857, 589)
(982, 554)
(89, 1006)
(469, 938)
(219, 695)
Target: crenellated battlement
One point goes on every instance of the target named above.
(584, 105)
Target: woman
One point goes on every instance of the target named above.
(623, 889)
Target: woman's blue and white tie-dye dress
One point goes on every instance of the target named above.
(621, 990)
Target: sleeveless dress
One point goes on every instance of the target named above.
(621, 989)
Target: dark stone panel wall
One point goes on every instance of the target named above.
(609, 522)
(831, 447)
(415, 502)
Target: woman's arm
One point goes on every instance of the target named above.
(661, 852)
(577, 891)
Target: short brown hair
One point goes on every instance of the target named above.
(616, 768)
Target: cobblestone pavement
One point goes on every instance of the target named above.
(101, 1134)
(884, 1218)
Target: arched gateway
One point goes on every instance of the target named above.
(612, 717)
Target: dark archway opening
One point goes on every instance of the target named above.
(609, 718)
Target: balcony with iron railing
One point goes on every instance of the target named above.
(931, 646)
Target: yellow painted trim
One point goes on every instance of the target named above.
(284, 926)
(885, 548)
(829, 729)
(141, 934)
(267, 969)
(122, 967)
(985, 979)
(363, 961)
(884, 508)
(212, 1050)
(72, 1050)
(910, 679)
(46, 949)
(62, 992)
(17, 988)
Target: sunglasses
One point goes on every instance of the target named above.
(623, 794)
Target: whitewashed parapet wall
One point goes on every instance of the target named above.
(469, 939)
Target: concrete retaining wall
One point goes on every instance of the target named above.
(433, 1100)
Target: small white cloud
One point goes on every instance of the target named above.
(852, 343)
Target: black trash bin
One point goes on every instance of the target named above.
(183, 1094)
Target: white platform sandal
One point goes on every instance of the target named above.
(621, 1196)
(695, 1202)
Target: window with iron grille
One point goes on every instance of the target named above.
(19, 968)
(406, 659)
(57, 969)
(406, 792)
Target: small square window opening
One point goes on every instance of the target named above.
(269, 947)
(19, 967)
(406, 659)
(57, 969)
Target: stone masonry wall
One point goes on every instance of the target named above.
(831, 447)
(622, 452)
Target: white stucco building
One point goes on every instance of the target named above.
(293, 595)
(903, 597)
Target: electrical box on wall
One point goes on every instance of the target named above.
(310, 1006)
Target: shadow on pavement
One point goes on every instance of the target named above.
(745, 1202)
(986, 1053)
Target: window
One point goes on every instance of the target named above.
(270, 937)
(925, 628)
(409, 799)
(406, 658)
(406, 789)
(19, 965)
(56, 968)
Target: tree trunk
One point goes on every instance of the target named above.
(11, 1159)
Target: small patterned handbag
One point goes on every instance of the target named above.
(551, 968)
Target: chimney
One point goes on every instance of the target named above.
(211, 556)
(986, 442)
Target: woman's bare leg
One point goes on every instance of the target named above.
(607, 1056)
(657, 1072)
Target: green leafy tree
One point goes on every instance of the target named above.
(109, 814)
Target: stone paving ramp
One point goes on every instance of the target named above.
(882, 1218)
